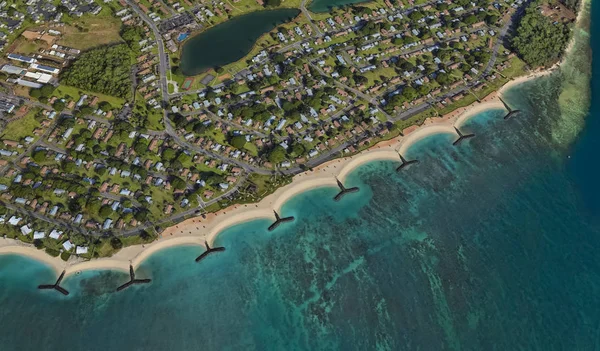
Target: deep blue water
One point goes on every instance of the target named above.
(492, 245)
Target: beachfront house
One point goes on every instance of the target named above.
(26, 230)
(56, 234)
(67, 245)
(14, 220)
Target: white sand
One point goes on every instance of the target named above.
(195, 231)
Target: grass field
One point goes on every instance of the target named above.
(22, 127)
(75, 93)
(27, 47)
(88, 32)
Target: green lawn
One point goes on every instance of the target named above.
(75, 93)
(91, 31)
(22, 127)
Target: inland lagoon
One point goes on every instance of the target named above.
(319, 6)
(230, 41)
(489, 245)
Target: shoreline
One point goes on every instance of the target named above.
(200, 32)
(196, 231)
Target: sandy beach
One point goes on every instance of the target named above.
(197, 231)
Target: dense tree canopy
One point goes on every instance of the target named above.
(538, 40)
(277, 155)
(238, 141)
(272, 3)
(571, 4)
(103, 70)
(132, 35)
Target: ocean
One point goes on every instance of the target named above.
(489, 245)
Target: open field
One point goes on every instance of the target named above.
(88, 32)
(22, 127)
(75, 93)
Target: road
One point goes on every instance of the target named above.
(368, 98)
(181, 215)
(248, 168)
(309, 17)
(57, 222)
(30, 148)
(163, 60)
(490, 65)
(17, 100)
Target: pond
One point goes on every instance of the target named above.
(319, 6)
(230, 41)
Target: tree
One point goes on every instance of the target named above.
(416, 15)
(178, 183)
(35, 93)
(183, 157)
(105, 211)
(538, 41)
(58, 105)
(211, 94)
(443, 78)
(105, 69)
(277, 154)
(145, 236)
(168, 154)
(344, 71)
(398, 41)
(359, 80)
(141, 146)
(571, 4)
(471, 19)
(85, 111)
(105, 106)
(176, 70)
(409, 93)
(93, 205)
(132, 35)
(272, 3)
(116, 243)
(39, 156)
(422, 90)
(491, 19)
(298, 149)
(47, 90)
(141, 215)
(76, 204)
(68, 166)
(238, 142)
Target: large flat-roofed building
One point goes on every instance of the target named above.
(27, 83)
(39, 77)
(47, 69)
(10, 69)
(22, 58)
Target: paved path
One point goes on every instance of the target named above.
(163, 60)
(309, 17)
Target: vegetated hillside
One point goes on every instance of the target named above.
(104, 70)
(538, 40)
(571, 4)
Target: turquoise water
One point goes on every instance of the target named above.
(231, 40)
(492, 245)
